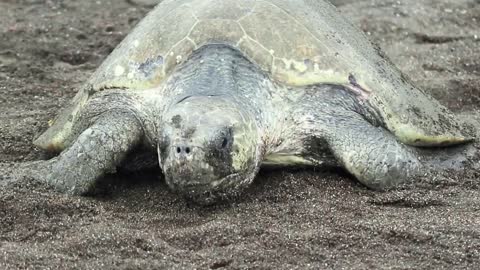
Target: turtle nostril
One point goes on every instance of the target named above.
(183, 150)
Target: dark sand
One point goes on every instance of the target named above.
(287, 220)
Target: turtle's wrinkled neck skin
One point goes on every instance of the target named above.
(210, 136)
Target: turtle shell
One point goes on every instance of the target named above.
(299, 42)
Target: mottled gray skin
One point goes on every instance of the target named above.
(217, 119)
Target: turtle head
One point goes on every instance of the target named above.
(209, 147)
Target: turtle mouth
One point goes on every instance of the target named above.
(201, 186)
(206, 193)
(203, 193)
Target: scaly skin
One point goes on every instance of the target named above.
(217, 119)
(96, 152)
(331, 118)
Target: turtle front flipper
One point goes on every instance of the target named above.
(372, 154)
(96, 152)
(333, 123)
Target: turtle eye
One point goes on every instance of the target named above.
(224, 142)
(224, 139)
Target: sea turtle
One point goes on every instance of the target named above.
(219, 87)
